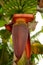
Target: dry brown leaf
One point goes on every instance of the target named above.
(32, 25)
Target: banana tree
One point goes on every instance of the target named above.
(21, 12)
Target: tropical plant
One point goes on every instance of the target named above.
(7, 9)
(18, 6)
(5, 52)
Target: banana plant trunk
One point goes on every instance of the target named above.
(20, 34)
(40, 3)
